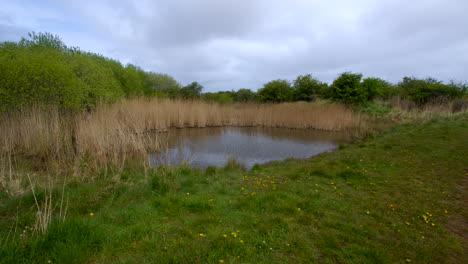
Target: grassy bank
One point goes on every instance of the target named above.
(397, 198)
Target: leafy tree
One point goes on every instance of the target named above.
(276, 91)
(306, 88)
(100, 82)
(376, 87)
(30, 77)
(244, 95)
(347, 88)
(422, 91)
(160, 82)
(191, 91)
(43, 40)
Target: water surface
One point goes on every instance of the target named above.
(203, 147)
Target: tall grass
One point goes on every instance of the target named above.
(110, 134)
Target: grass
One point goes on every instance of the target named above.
(395, 198)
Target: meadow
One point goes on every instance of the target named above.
(75, 188)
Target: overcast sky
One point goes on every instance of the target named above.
(236, 44)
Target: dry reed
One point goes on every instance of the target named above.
(111, 133)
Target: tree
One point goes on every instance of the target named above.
(191, 91)
(306, 88)
(160, 82)
(43, 40)
(376, 87)
(244, 95)
(422, 91)
(347, 88)
(276, 91)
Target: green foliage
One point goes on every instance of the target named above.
(219, 97)
(191, 91)
(423, 91)
(347, 88)
(306, 88)
(42, 70)
(38, 76)
(244, 95)
(42, 41)
(376, 87)
(276, 91)
(161, 84)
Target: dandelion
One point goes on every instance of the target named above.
(224, 235)
(446, 211)
(242, 241)
(367, 212)
(201, 235)
(298, 209)
(233, 234)
(221, 261)
(91, 214)
(187, 193)
(407, 223)
(408, 260)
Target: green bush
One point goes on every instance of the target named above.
(347, 88)
(376, 87)
(306, 88)
(424, 91)
(244, 95)
(276, 91)
(219, 97)
(42, 70)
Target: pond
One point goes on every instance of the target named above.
(203, 147)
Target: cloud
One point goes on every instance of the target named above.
(243, 44)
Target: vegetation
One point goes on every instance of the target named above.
(42, 70)
(276, 91)
(75, 186)
(393, 199)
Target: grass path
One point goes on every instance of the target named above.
(398, 198)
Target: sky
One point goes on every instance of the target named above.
(228, 45)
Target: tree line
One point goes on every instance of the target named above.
(41, 70)
(348, 88)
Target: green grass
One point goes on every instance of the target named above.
(397, 198)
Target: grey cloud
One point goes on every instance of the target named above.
(234, 44)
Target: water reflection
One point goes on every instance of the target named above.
(203, 147)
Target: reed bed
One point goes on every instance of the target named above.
(110, 134)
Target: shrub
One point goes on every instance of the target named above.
(347, 88)
(244, 95)
(306, 88)
(276, 91)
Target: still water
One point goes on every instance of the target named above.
(203, 147)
